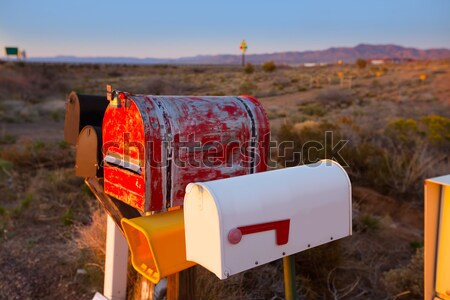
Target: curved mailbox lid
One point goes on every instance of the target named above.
(314, 199)
(173, 132)
(82, 110)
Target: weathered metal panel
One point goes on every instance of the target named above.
(82, 110)
(437, 243)
(88, 161)
(176, 140)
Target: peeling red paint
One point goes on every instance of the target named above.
(177, 140)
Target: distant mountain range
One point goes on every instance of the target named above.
(331, 55)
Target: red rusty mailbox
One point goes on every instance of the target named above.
(153, 146)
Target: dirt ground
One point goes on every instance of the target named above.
(44, 208)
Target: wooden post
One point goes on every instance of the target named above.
(116, 263)
(181, 286)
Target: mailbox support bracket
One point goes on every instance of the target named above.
(115, 208)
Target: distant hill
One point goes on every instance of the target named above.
(347, 54)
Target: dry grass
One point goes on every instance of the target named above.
(93, 237)
(406, 280)
(398, 131)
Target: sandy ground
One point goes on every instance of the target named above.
(42, 131)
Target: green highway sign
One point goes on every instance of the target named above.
(11, 51)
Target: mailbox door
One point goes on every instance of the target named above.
(124, 166)
(443, 248)
(88, 155)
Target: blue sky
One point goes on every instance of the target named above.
(186, 28)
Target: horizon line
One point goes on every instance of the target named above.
(234, 54)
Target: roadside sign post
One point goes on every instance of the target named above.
(12, 51)
(243, 48)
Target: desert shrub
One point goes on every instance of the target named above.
(404, 169)
(363, 159)
(394, 160)
(92, 237)
(37, 154)
(31, 82)
(308, 144)
(266, 281)
(375, 83)
(247, 88)
(160, 86)
(275, 114)
(416, 244)
(313, 109)
(316, 267)
(281, 82)
(198, 70)
(268, 66)
(361, 63)
(433, 128)
(406, 279)
(249, 69)
(217, 93)
(7, 139)
(440, 71)
(334, 97)
(5, 166)
(114, 74)
(263, 282)
(437, 128)
(403, 129)
(368, 223)
(406, 153)
(156, 86)
(90, 242)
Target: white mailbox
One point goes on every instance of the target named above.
(235, 224)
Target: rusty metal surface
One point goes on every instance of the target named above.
(88, 160)
(176, 140)
(82, 110)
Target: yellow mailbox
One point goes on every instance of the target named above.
(157, 244)
(437, 238)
